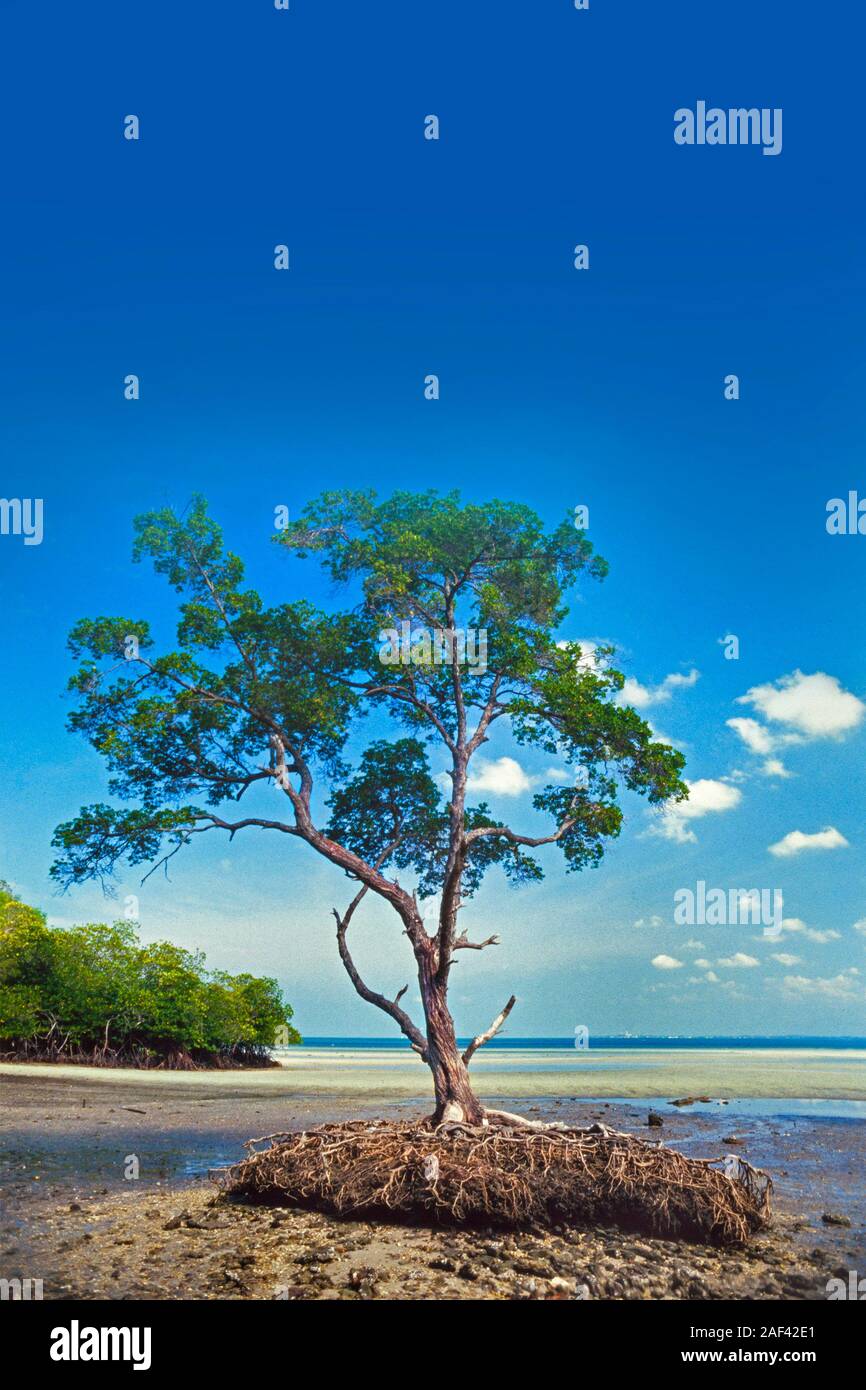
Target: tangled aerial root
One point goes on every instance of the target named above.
(502, 1176)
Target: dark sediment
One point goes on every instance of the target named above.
(71, 1217)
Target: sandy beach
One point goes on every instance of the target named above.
(73, 1215)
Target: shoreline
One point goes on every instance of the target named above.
(611, 1074)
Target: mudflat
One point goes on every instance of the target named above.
(108, 1191)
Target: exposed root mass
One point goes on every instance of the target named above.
(506, 1176)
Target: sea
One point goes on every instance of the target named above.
(612, 1041)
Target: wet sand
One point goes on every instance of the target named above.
(74, 1217)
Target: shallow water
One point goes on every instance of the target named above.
(820, 1073)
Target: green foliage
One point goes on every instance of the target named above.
(188, 733)
(95, 989)
(404, 548)
(443, 563)
(393, 800)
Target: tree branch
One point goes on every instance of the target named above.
(488, 714)
(388, 1006)
(493, 1029)
(215, 822)
(532, 841)
(399, 692)
(461, 943)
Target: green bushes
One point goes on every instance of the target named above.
(94, 993)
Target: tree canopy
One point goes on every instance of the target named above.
(283, 685)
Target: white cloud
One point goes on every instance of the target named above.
(666, 963)
(774, 767)
(702, 964)
(695, 946)
(794, 926)
(633, 693)
(504, 776)
(814, 706)
(804, 708)
(787, 960)
(795, 842)
(845, 986)
(659, 736)
(738, 961)
(642, 696)
(861, 926)
(649, 922)
(711, 978)
(558, 774)
(705, 797)
(677, 678)
(753, 734)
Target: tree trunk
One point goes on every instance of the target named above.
(455, 1099)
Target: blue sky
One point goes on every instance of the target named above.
(558, 387)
